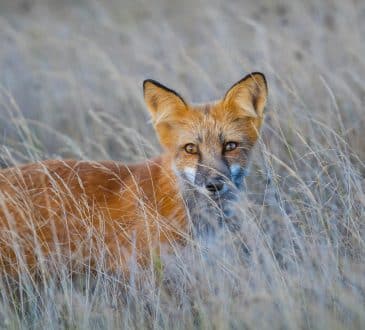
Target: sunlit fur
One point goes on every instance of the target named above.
(81, 209)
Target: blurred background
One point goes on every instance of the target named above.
(71, 71)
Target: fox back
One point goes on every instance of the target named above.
(82, 212)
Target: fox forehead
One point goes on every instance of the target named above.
(236, 117)
(208, 123)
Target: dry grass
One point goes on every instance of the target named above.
(70, 80)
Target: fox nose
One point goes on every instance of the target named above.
(215, 185)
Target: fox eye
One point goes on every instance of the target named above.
(229, 146)
(191, 148)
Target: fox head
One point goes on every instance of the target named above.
(210, 143)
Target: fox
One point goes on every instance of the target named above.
(81, 212)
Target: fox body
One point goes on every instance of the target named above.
(86, 211)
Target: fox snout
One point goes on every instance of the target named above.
(212, 180)
(215, 185)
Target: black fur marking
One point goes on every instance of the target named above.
(250, 75)
(156, 83)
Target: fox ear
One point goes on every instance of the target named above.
(167, 109)
(162, 102)
(248, 95)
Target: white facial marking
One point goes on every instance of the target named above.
(235, 169)
(190, 173)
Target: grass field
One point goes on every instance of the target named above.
(71, 77)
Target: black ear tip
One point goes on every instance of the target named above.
(159, 85)
(251, 75)
(257, 73)
(151, 81)
(155, 83)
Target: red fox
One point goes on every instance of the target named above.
(87, 210)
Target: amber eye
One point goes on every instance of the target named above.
(191, 148)
(229, 146)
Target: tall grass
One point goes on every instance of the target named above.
(71, 78)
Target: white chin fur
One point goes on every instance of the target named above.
(190, 174)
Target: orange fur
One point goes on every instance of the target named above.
(81, 211)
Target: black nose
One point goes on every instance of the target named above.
(215, 185)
